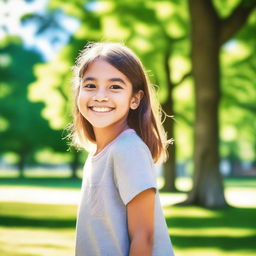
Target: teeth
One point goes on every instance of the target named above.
(98, 109)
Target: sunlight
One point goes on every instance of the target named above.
(39, 195)
(11, 12)
(31, 241)
(241, 197)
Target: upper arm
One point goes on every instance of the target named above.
(133, 171)
(140, 214)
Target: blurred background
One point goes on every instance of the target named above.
(201, 58)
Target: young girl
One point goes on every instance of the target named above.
(116, 111)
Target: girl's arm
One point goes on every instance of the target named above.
(140, 212)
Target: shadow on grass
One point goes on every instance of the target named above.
(55, 182)
(229, 218)
(15, 221)
(227, 243)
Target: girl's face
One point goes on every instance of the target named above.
(105, 95)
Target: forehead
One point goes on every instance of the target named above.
(100, 68)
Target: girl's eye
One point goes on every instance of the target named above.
(115, 87)
(90, 86)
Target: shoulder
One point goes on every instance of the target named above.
(130, 142)
(131, 146)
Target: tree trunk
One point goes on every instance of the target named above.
(74, 164)
(207, 187)
(21, 164)
(170, 165)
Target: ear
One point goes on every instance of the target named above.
(135, 101)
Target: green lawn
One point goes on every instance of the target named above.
(48, 229)
(36, 229)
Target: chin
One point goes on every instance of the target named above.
(97, 125)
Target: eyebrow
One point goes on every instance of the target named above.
(114, 79)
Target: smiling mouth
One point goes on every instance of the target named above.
(101, 109)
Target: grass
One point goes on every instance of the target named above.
(35, 229)
(198, 231)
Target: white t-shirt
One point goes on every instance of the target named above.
(111, 179)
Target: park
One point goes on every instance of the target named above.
(200, 58)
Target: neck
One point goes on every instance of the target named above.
(105, 135)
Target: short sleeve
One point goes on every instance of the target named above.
(133, 171)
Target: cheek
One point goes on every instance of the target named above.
(79, 99)
(82, 97)
(81, 102)
(123, 98)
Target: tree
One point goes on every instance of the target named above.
(58, 83)
(26, 130)
(208, 33)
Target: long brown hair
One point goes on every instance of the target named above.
(145, 120)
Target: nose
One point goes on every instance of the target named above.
(100, 96)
